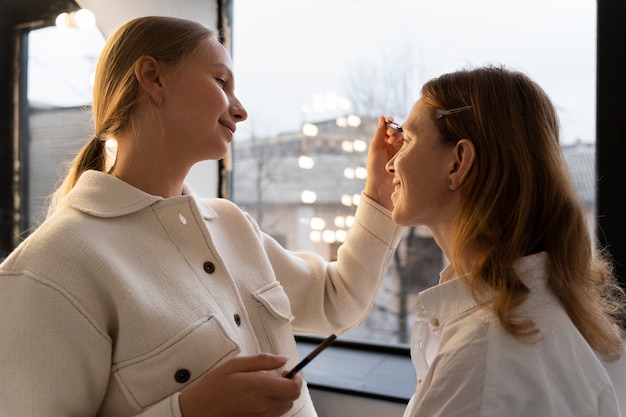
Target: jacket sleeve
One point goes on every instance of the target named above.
(54, 361)
(336, 296)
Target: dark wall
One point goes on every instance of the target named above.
(15, 17)
(611, 131)
(6, 148)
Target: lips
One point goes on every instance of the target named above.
(229, 126)
(396, 189)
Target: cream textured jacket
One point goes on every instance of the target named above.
(121, 299)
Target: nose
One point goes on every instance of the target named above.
(238, 111)
(389, 166)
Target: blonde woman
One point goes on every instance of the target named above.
(135, 297)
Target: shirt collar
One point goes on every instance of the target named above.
(453, 297)
(102, 195)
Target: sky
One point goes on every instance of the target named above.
(290, 53)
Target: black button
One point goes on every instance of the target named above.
(182, 375)
(209, 268)
(237, 320)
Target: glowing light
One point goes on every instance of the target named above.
(315, 236)
(359, 145)
(354, 121)
(328, 236)
(341, 121)
(308, 196)
(310, 130)
(81, 19)
(340, 221)
(62, 21)
(306, 162)
(348, 173)
(346, 200)
(317, 223)
(85, 19)
(347, 146)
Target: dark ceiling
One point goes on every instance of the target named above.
(18, 12)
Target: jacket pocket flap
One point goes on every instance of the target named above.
(178, 362)
(275, 300)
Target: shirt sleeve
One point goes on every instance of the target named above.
(617, 373)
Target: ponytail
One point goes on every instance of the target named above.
(91, 156)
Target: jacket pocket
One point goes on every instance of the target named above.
(183, 359)
(275, 313)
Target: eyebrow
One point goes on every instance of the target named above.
(224, 66)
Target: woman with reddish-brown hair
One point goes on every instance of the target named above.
(528, 311)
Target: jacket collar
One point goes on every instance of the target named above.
(102, 195)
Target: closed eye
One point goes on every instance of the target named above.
(221, 82)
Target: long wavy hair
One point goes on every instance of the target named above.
(116, 89)
(519, 200)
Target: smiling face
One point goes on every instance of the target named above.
(421, 169)
(199, 108)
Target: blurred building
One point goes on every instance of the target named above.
(302, 189)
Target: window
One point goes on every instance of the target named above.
(314, 75)
(60, 66)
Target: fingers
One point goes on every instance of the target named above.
(381, 134)
(387, 139)
(394, 132)
(385, 144)
(254, 363)
(242, 387)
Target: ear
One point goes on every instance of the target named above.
(148, 72)
(464, 156)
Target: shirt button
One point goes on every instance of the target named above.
(182, 375)
(237, 320)
(209, 268)
(434, 323)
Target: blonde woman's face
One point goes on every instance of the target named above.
(200, 109)
(422, 194)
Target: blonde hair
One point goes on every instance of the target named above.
(519, 200)
(116, 90)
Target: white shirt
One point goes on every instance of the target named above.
(468, 365)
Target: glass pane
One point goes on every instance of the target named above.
(314, 75)
(60, 67)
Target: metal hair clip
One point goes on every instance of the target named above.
(440, 114)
